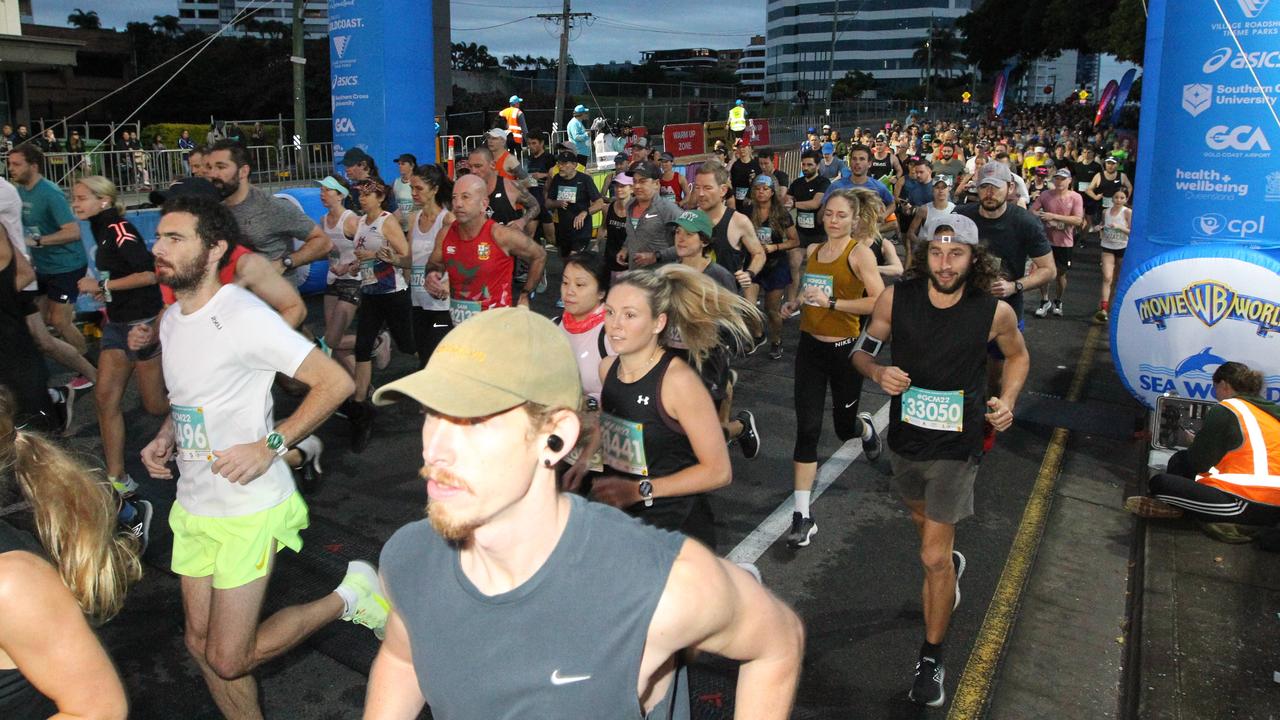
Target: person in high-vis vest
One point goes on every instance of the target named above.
(516, 127)
(1230, 474)
(737, 120)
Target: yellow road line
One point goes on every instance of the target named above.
(972, 693)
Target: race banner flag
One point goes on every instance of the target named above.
(1002, 84)
(1122, 95)
(1108, 94)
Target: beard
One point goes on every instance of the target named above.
(956, 285)
(186, 277)
(991, 203)
(226, 189)
(452, 529)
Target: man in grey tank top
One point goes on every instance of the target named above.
(513, 600)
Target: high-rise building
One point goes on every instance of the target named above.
(750, 70)
(210, 15)
(879, 37)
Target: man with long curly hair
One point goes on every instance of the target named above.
(940, 320)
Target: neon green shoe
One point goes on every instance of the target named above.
(370, 608)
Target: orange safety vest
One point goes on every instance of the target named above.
(501, 162)
(512, 116)
(1251, 471)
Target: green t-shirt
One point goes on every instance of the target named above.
(45, 210)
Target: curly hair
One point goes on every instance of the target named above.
(214, 222)
(984, 268)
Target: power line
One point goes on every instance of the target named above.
(490, 27)
(515, 7)
(641, 28)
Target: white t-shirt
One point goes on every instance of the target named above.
(11, 220)
(219, 363)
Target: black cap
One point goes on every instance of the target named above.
(647, 169)
(186, 187)
(566, 156)
(404, 157)
(354, 156)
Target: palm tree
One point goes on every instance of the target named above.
(945, 53)
(511, 62)
(167, 25)
(85, 20)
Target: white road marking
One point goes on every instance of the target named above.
(779, 521)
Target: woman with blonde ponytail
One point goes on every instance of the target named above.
(78, 571)
(662, 444)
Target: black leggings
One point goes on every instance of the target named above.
(1204, 502)
(818, 364)
(392, 311)
(429, 328)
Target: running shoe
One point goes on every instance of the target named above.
(79, 383)
(1149, 507)
(1057, 308)
(1101, 316)
(872, 445)
(139, 523)
(308, 474)
(802, 530)
(927, 688)
(1043, 310)
(370, 608)
(361, 426)
(1231, 533)
(957, 559)
(382, 350)
(125, 485)
(775, 352)
(63, 407)
(749, 440)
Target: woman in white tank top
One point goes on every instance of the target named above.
(940, 205)
(431, 191)
(342, 295)
(1117, 220)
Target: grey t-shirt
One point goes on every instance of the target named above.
(565, 644)
(649, 232)
(270, 224)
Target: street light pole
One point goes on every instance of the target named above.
(831, 59)
(299, 61)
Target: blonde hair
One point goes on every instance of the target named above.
(868, 210)
(850, 196)
(75, 517)
(105, 189)
(697, 308)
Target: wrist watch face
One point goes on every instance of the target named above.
(275, 440)
(646, 488)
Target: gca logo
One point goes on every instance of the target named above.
(1211, 224)
(1253, 8)
(1261, 59)
(1242, 137)
(344, 125)
(340, 43)
(1196, 98)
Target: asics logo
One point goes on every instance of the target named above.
(558, 679)
(1261, 59)
(1217, 60)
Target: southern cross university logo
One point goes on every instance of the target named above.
(1196, 98)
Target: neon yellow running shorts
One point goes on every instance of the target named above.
(235, 550)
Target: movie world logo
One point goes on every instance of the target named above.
(1210, 302)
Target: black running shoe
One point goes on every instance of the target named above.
(140, 525)
(957, 559)
(871, 446)
(927, 688)
(802, 530)
(749, 440)
(361, 426)
(775, 351)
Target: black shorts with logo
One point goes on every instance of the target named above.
(61, 287)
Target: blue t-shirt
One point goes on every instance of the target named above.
(45, 210)
(879, 188)
(917, 193)
(580, 137)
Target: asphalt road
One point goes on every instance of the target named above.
(857, 587)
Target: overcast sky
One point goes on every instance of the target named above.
(616, 34)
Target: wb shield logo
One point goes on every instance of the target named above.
(1196, 98)
(1210, 224)
(1209, 301)
(1252, 8)
(340, 43)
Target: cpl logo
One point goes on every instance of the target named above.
(1241, 137)
(1262, 59)
(1211, 224)
(344, 125)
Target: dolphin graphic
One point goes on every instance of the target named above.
(1199, 361)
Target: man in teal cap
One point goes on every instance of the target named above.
(578, 134)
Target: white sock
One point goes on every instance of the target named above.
(802, 501)
(349, 599)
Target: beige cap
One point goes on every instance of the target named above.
(494, 361)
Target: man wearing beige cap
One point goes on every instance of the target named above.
(513, 600)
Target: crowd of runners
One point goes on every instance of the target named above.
(902, 253)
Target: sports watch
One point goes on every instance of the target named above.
(287, 261)
(646, 493)
(276, 443)
(1017, 286)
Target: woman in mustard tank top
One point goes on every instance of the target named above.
(840, 283)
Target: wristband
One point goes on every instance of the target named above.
(831, 303)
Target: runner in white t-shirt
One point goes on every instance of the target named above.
(237, 504)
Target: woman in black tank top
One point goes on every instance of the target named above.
(660, 436)
(74, 512)
(23, 370)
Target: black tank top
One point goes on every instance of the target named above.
(18, 699)
(943, 351)
(666, 448)
(615, 224)
(1107, 188)
(881, 169)
(726, 255)
(10, 308)
(503, 211)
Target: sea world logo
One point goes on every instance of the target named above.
(1252, 8)
(1211, 224)
(1192, 376)
(340, 81)
(343, 125)
(1210, 302)
(340, 43)
(346, 24)
(1241, 137)
(1261, 59)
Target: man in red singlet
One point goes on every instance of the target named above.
(477, 253)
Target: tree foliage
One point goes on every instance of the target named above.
(997, 31)
(470, 56)
(852, 85)
(84, 20)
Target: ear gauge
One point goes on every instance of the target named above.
(555, 442)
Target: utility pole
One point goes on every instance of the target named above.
(565, 18)
(928, 77)
(831, 58)
(299, 61)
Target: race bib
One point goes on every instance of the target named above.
(622, 445)
(567, 193)
(805, 219)
(368, 272)
(740, 193)
(462, 310)
(1082, 186)
(1113, 239)
(666, 191)
(190, 435)
(934, 409)
(825, 283)
(418, 276)
(1107, 203)
(764, 235)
